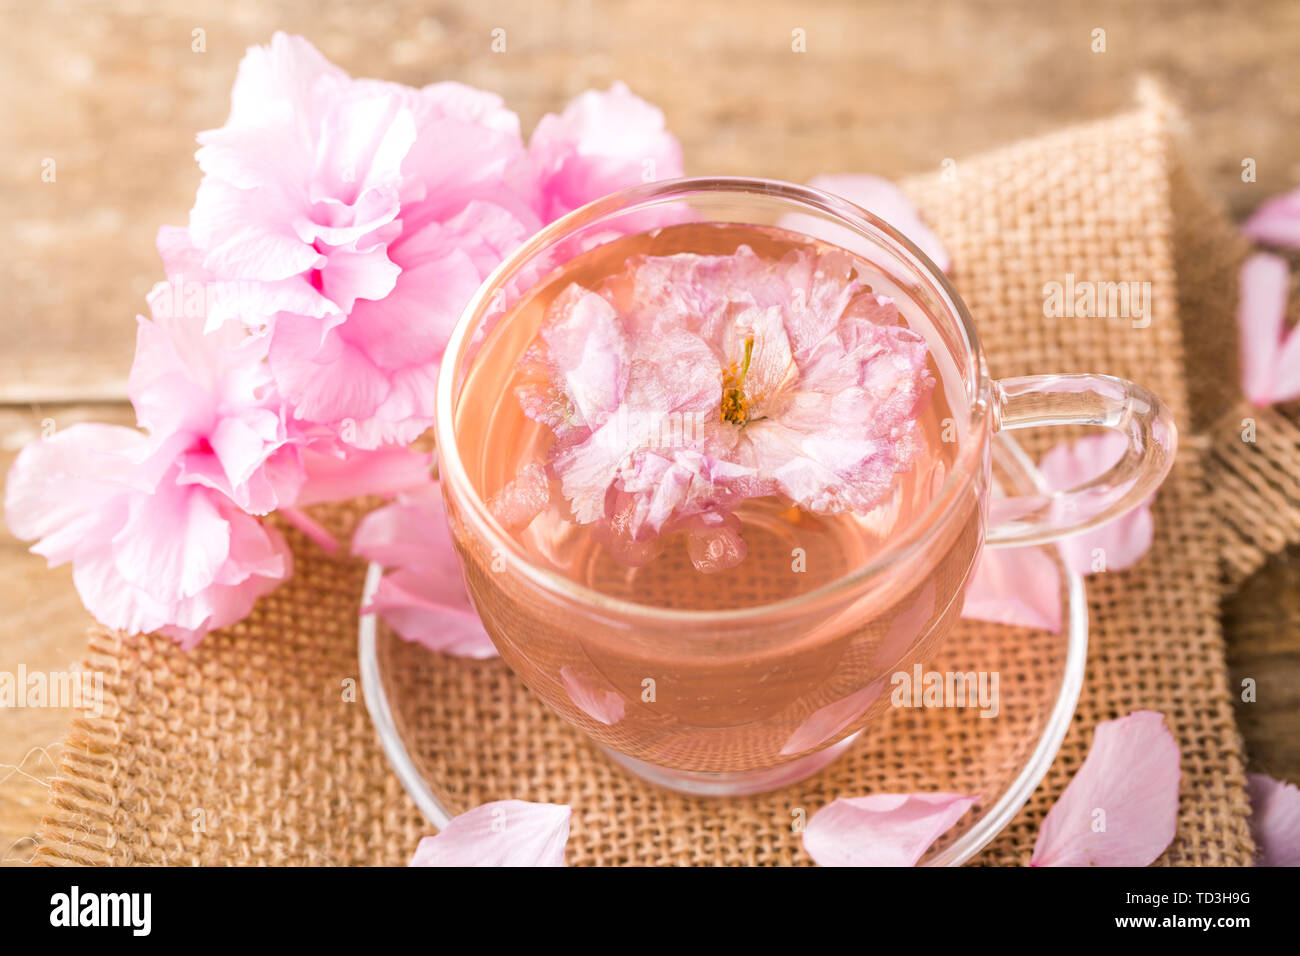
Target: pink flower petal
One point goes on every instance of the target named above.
(883, 829)
(602, 142)
(422, 596)
(149, 552)
(259, 560)
(332, 473)
(173, 542)
(354, 219)
(1020, 587)
(1118, 544)
(885, 200)
(1274, 820)
(632, 378)
(1277, 221)
(501, 833)
(436, 614)
(598, 703)
(523, 499)
(1121, 808)
(313, 529)
(1270, 356)
(58, 486)
(825, 722)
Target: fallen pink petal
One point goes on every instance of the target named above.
(1121, 807)
(1270, 355)
(1019, 587)
(597, 702)
(1277, 221)
(1274, 820)
(883, 829)
(1118, 544)
(502, 833)
(421, 594)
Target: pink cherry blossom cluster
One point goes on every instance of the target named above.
(340, 227)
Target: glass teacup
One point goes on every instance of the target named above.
(756, 676)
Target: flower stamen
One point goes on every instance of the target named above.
(734, 405)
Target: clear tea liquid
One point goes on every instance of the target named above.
(733, 698)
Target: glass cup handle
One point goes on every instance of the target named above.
(1047, 400)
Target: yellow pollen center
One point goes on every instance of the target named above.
(734, 403)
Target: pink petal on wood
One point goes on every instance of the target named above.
(1277, 221)
(884, 829)
(1121, 808)
(1274, 820)
(502, 833)
(1270, 357)
(1020, 587)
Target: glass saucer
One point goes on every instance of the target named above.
(460, 732)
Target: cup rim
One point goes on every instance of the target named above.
(455, 481)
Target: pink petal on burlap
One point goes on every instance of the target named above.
(1020, 587)
(1119, 543)
(433, 611)
(884, 829)
(598, 703)
(825, 722)
(1121, 808)
(422, 594)
(1274, 820)
(501, 833)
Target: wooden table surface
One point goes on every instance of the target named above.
(113, 93)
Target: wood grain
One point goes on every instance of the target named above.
(113, 94)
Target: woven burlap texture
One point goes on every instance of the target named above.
(256, 749)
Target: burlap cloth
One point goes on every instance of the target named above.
(256, 749)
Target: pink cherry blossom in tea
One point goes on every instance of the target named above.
(788, 378)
